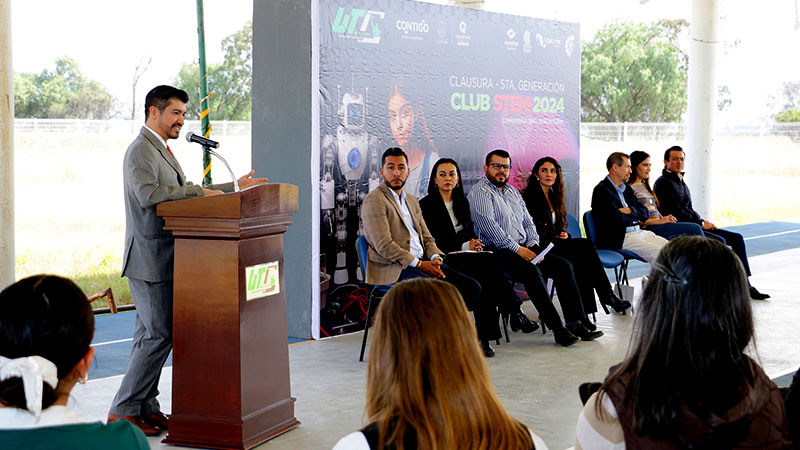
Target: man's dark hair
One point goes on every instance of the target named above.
(616, 158)
(393, 151)
(160, 96)
(674, 148)
(499, 152)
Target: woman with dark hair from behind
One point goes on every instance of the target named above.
(46, 328)
(668, 226)
(544, 197)
(427, 385)
(686, 381)
(447, 215)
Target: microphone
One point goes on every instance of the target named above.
(205, 142)
(208, 144)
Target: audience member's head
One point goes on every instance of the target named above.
(46, 327)
(426, 376)
(160, 97)
(674, 158)
(691, 329)
(498, 167)
(394, 168)
(637, 158)
(446, 175)
(619, 167)
(546, 174)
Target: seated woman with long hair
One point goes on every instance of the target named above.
(46, 327)
(686, 381)
(668, 226)
(427, 385)
(446, 213)
(544, 198)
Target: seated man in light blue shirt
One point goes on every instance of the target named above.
(617, 213)
(506, 228)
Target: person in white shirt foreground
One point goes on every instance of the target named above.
(46, 328)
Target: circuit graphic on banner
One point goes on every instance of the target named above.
(436, 81)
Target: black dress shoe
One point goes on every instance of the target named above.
(582, 332)
(488, 351)
(564, 337)
(617, 304)
(755, 295)
(588, 324)
(519, 321)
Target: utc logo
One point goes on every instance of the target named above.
(348, 25)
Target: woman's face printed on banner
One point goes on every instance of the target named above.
(401, 119)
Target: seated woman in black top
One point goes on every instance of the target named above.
(446, 213)
(427, 385)
(544, 197)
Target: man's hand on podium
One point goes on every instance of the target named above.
(247, 181)
(207, 192)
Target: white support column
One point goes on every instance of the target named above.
(6, 148)
(702, 103)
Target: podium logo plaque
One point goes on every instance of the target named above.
(263, 280)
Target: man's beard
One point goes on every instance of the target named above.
(387, 183)
(499, 184)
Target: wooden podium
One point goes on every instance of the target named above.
(230, 377)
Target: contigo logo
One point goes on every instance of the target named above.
(359, 24)
(406, 25)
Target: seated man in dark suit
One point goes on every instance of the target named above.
(618, 214)
(400, 245)
(675, 198)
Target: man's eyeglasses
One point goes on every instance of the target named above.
(498, 166)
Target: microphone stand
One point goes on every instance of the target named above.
(233, 177)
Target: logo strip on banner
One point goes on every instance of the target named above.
(348, 25)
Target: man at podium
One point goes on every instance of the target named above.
(151, 175)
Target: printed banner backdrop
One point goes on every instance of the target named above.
(437, 81)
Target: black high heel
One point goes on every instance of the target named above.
(616, 303)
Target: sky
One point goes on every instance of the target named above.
(758, 50)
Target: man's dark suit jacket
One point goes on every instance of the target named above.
(441, 226)
(674, 198)
(609, 221)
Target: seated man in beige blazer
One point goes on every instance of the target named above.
(400, 245)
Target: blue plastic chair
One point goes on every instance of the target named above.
(611, 259)
(375, 292)
(573, 228)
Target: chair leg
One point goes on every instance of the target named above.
(505, 317)
(552, 285)
(366, 329)
(625, 271)
(594, 318)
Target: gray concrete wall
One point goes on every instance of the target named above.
(283, 136)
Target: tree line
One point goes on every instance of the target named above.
(630, 72)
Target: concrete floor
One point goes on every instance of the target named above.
(536, 380)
